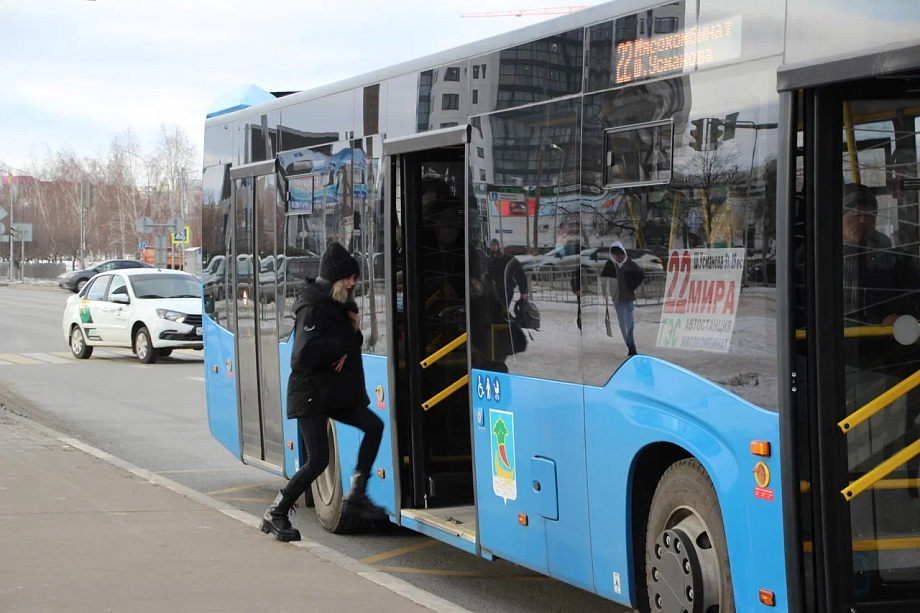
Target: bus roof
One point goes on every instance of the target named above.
(579, 19)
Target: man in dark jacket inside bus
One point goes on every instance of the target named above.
(327, 381)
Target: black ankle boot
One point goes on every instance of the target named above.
(357, 501)
(632, 350)
(276, 519)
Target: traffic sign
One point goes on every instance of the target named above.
(145, 225)
(22, 232)
(3, 213)
(175, 224)
(182, 238)
(144, 245)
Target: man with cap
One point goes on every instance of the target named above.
(620, 279)
(327, 381)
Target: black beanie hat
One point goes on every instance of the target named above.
(337, 264)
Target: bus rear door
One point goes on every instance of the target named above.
(852, 431)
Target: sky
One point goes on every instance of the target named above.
(74, 73)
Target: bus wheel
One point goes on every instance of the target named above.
(328, 496)
(686, 558)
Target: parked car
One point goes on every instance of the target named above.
(74, 281)
(149, 311)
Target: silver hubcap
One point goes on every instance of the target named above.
(325, 484)
(686, 565)
(142, 346)
(76, 340)
(80, 284)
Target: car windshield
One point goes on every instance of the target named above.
(159, 286)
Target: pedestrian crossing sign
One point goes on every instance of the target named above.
(182, 238)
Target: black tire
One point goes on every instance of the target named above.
(143, 347)
(328, 496)
(164, 353)
(685, 548)
(78, 345)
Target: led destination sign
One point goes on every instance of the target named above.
(709, 43)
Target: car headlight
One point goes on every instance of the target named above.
(175, 316)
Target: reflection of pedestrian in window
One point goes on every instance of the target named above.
(620, 279)
(506, 272)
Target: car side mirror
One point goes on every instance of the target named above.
(121, 299)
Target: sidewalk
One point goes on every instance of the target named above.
(79, 534)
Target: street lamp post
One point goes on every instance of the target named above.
(12, 242)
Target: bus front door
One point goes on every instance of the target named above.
(854, 391)
(255, 277)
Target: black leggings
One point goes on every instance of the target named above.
(316, 441)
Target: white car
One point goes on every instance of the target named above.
(147, 310)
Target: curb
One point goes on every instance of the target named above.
(394, 584)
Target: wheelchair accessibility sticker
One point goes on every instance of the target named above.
(504, 473)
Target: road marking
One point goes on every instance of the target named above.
(18, 359)
(195, 378)
(240, 488)
(459, 573)
(265, 500)
(2, 363)
(195, 470)
(386, 555)
(47, 357)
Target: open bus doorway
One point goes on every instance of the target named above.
(432, 369)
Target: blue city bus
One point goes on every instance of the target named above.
(757, 159)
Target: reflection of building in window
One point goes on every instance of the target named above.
(423, 111)
(449, 124)
(450, 102)
(475, 96)
(637, 156)
(540, 70)
(452, 74)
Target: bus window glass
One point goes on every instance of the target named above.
(263, 136)
(402, 101)
(320, 210)
(682, 37)
(821, 28)
(370, 293)
(533, 72)
(524, 241)
(323, 120)
(702, 244)
(218, 145)
(640, 155)
(215, 243)
(443, 97)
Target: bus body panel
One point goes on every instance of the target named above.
(220, 386)
(292, 457)
(381, 491)
(650, 401)
(540, 424)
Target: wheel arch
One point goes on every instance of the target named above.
(137, 325)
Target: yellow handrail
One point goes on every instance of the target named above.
(885, 544)
(881, 471)
(854, 332)
(432, 299)
(450, 389)
(884, 484)
(440, 353)
(883, 400)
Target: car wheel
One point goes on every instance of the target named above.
(686, 554)
(80, 284)
(78, 345)
(144, 348)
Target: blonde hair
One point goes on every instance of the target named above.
(340, 292)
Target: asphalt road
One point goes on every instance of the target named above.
(154, 416)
